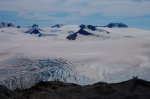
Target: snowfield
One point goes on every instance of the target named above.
(26, 59)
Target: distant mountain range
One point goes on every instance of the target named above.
(110, 25)
(85, 30)
(4, 24)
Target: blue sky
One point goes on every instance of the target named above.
(134, 13)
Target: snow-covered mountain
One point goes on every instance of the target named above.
(116, 25)
(26, 59)
(88, 30)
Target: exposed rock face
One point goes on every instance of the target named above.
(72, 36)
(131, 89)
(34, 30)
(35, 26)
(119, 25)
(82, 26)
(5, 93)
(91, 27)
(87, 30)
(83, 32)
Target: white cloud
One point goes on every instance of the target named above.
(42, 9)
(129, 8)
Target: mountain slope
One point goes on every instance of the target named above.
(131, 89)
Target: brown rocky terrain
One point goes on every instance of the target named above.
(131, 89)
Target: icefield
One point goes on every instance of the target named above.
(26, 59)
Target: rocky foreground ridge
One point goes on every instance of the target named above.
(131, 89)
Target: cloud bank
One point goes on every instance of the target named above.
(45, 8)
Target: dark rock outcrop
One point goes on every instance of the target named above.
(35, 26)
(18, 26)
(82, 26)
(119, 25)
(57, 26)
(72, 36)
(81, 31)
(4, 24)
(10, 25)
(5, 93)
(131, 89)
(91, 27)
(34, 30)
(84, 30)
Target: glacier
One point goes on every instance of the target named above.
(24, 72)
